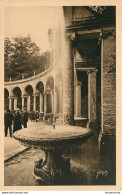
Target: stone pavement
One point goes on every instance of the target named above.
(12, 147)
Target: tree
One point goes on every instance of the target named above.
(22, 57)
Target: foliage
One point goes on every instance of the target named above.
(22, 57)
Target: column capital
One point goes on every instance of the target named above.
(12, 96)
(71, 37)
(36, 94)
(105, 33)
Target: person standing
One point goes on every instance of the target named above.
(25, 118)
(8, 117)
(17, 121)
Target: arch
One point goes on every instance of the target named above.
(6, 99)
(29, 90)
(40, 97)
(18, 98)
(28, 102)
(40, 86)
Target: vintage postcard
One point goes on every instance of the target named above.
(60, 93)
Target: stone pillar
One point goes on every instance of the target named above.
(68, 85)
(10, 103)
(45, 104)
(108, 92)
(28, 103)
(55, 101)
(78, 99)
(92, 96)
(41, 103)
(34, 102)
(52, 101)
(61, 98)
(22, 102)
(15, 103)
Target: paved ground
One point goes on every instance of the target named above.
(12, 147)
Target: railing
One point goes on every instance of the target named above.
(30, 78)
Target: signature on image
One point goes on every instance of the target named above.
(101, 172)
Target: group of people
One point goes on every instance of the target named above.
(17, 119)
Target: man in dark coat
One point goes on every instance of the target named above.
(17, 121)
(25, 118)
(8, 117)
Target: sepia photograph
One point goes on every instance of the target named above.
(60, 95)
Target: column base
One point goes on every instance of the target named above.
(107, 144)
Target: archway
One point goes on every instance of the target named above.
(6, 99)
(17, 99)
(29, 98)
(40, 97)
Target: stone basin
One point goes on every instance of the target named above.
(46, 136)
(55, 168)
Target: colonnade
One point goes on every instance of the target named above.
(44, 106)
(64, 98)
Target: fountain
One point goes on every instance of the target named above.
(55, 169)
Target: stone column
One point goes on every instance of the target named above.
(78, 99)
(55, 101)
(15, 103)
(41, 103)
(28, 103)
(61, 98)
(45, 104)
(68, 85)
(52, 101)
(10, 102)
(22, 102)
(34, 102)
(92, 96)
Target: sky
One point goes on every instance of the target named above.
(33, 21)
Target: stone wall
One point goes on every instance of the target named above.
(109, 85)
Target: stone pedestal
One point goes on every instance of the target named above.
(54, 170)
(68, 85)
